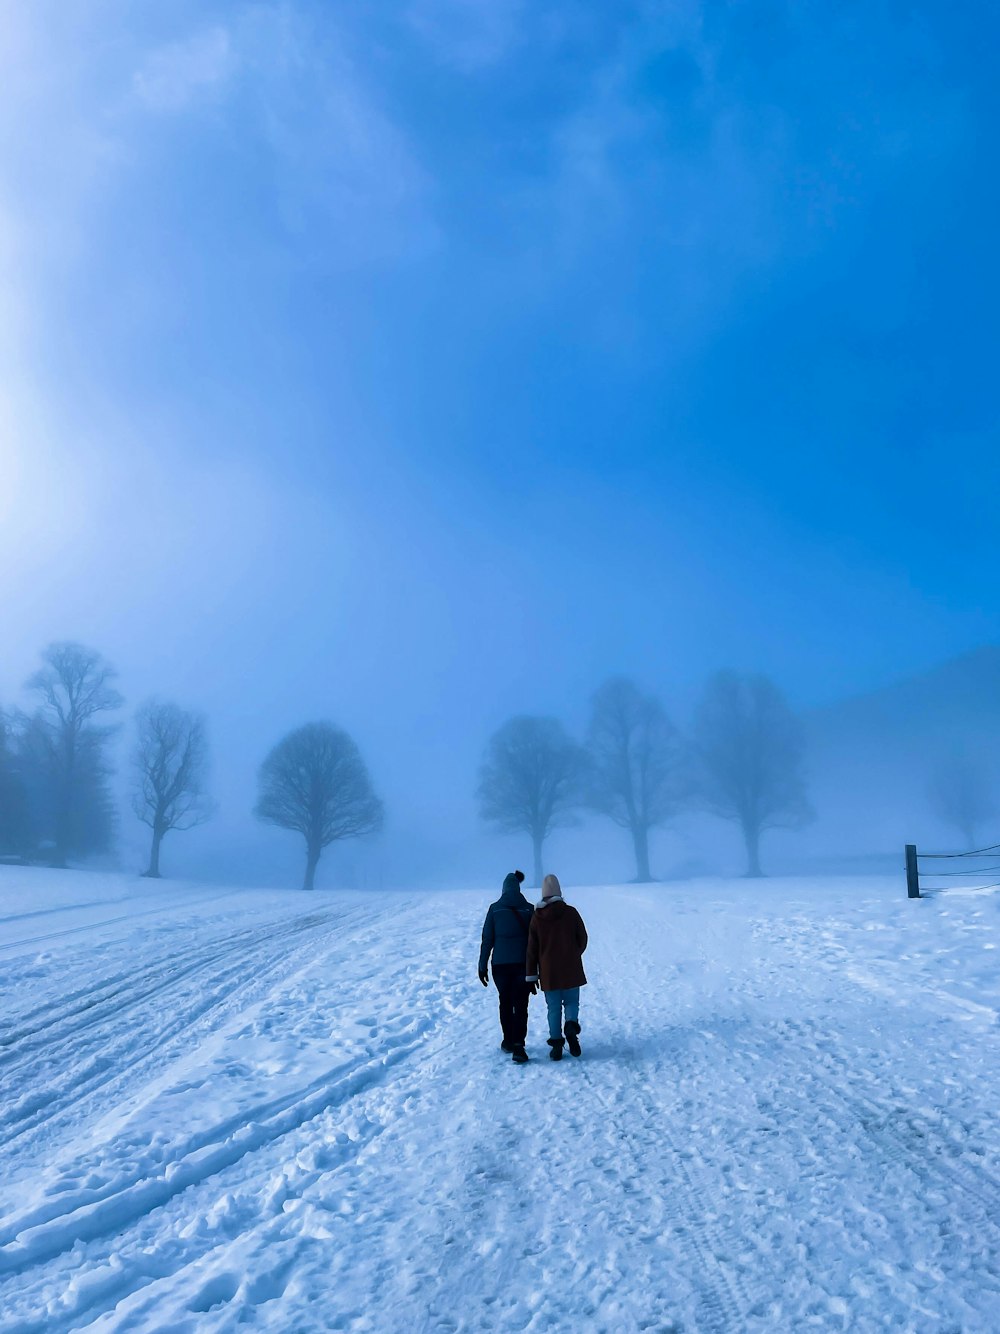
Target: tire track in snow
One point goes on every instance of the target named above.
(127, 991)
(130, 916)
(39, 1235)
(33, 1240)
(103, 1068)
(7, 918)
(620, 1158)
(170, 1267)
(115, 996)
(881, 1119)
(689, 1201)
(819, 1115)
(617, 1156)
(110, 1062)
(880, 1114)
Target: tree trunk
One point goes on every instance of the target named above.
(153, 871)
(751, 837)
(64, 807)
(640, 841)
(312, 861)
(60, 840)
(536, 845)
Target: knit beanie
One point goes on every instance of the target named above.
(512, 883)
(551, 889)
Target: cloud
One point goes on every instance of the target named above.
(345, 182)
(302, 162)
(349, 185)
(469, 34)
(657, 143)
(188, 73)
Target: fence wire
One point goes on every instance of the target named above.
(979, 870)
(990, 853)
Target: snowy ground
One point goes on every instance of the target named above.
(290, 1113)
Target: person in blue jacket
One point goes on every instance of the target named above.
(505, 936)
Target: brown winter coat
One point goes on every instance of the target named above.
(557, 938)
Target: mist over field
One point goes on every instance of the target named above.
(499, 667)
(420, 370)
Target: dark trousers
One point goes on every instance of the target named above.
(510, 983)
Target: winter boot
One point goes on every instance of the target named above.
(572, 1030)
(557, 1045)
(506, 1046)
(520, 1056)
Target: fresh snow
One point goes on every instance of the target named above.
(238, 1109)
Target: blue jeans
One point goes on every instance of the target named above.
(555, 1000)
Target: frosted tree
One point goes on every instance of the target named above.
(315, 782)
(68, 745)
(530, 780)
(635, 764)
(14, 822)
(171, 764)
(963, 793)
(749, 751)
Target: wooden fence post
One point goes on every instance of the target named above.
(912, 873)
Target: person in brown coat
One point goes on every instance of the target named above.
(557, 939)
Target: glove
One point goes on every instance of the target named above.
(532, 988)
(484, 979)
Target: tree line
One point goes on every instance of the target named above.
(56, 800)
(743, 761)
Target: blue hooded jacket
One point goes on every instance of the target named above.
(505, 931)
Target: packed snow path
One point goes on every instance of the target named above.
(246, 1110)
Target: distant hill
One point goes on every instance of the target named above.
(872, 756)
(958, 702)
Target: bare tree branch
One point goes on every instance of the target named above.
(74, 686)
(315, 782)
(529, 780)
(171, 762)
(750, 752)
(635, 764)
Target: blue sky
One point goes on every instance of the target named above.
(416, 364)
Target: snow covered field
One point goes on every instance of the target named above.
(250, 1110)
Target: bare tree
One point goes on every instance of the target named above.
(14, 825)
(749, 747)
(171, 763)
(90, 816)
(635, 764)
(963, 793)
(530, 779)
(315, 781)
(74, 686)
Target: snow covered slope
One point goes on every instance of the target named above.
(289, 1112)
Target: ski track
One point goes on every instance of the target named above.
(84, 999)
(110, 1050)
(42, 1235)
(23, 942)
(306, 1124)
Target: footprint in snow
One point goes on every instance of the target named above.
(219, 1289)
